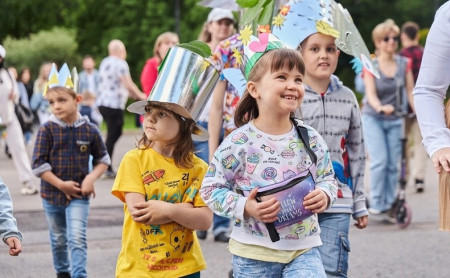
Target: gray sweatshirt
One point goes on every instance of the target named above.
(336, 116)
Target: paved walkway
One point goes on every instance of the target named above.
(381, 250)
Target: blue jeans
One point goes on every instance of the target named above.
(383, 143)
(307, 265)
(220, 223)
(67, 226)
(334, 251)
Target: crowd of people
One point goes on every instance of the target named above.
(294, 122)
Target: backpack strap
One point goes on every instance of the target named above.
(303, 134)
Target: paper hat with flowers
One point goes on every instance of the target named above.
(299, 19)
(63, 78)
(253, 49)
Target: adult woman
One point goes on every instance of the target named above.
(385, 100)
(217, 28)
(9, 95)
(150, 71)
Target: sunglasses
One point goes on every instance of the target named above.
(386, 39)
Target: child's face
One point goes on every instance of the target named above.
(278, 93)
(64, 105)
(160, 125)
(320, 54)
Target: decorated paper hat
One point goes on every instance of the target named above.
(185, 82)
(301, 18)
(253, 49)
(62, 78)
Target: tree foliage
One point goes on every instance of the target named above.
(57, 45)
(138, 22)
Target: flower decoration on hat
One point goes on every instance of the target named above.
(306, 17)
(62, 78)
(253, 49)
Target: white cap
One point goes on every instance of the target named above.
(217, 14)
(2, 51)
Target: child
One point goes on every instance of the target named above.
(61, 160)
(159, 183)
(8, 226)
(263, 150)
(333, 110)
(87, 106)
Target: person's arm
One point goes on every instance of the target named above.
(9, 232)
(132, 88)
(156, 212)
(430, 90)
(409, 80)
(215, 121)
(149, 75)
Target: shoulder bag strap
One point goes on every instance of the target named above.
(303, 134)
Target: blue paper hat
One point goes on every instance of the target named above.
(306, 17)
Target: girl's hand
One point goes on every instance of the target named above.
(362, 222)
(265, 211)
(316, 201)
(152, 212)
(15, 247)
(441, 160)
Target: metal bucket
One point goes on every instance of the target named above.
(185, 78)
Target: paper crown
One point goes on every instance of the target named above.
(63, 78)
(306, 17)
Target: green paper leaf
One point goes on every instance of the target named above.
(265, 18)
(197, 47)
(250, 14)
(247, 3)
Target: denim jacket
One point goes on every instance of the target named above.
(8, 224)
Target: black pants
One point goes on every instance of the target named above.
(114, 124)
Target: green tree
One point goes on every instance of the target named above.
(137, 23)
(21, 18)
(57, 45)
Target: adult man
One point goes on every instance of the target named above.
(411, 48)
(9, 95)
(114, 88)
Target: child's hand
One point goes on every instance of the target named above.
(265, 211)
(15, 247)
(316, 201)
(71, 188)
(152, 212)
(87, 186)
(362, 222)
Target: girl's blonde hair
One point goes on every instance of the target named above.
(166, 36)
(205, 35)
(183, 154)
(382, 29)
(273, 60)
(42, 78)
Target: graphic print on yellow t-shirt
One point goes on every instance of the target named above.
(167, 250)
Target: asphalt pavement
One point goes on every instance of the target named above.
(380, 250)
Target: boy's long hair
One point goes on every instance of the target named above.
(183, 153)
(273, 60)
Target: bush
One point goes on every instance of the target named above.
(57, 45)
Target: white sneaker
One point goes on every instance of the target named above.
(375, 211)
(28, 188)
(28, 191)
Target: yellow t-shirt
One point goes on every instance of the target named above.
(168, 250)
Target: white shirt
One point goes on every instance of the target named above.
(112, 93)
(433, 82)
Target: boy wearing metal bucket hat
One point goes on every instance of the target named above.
(159, 181)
